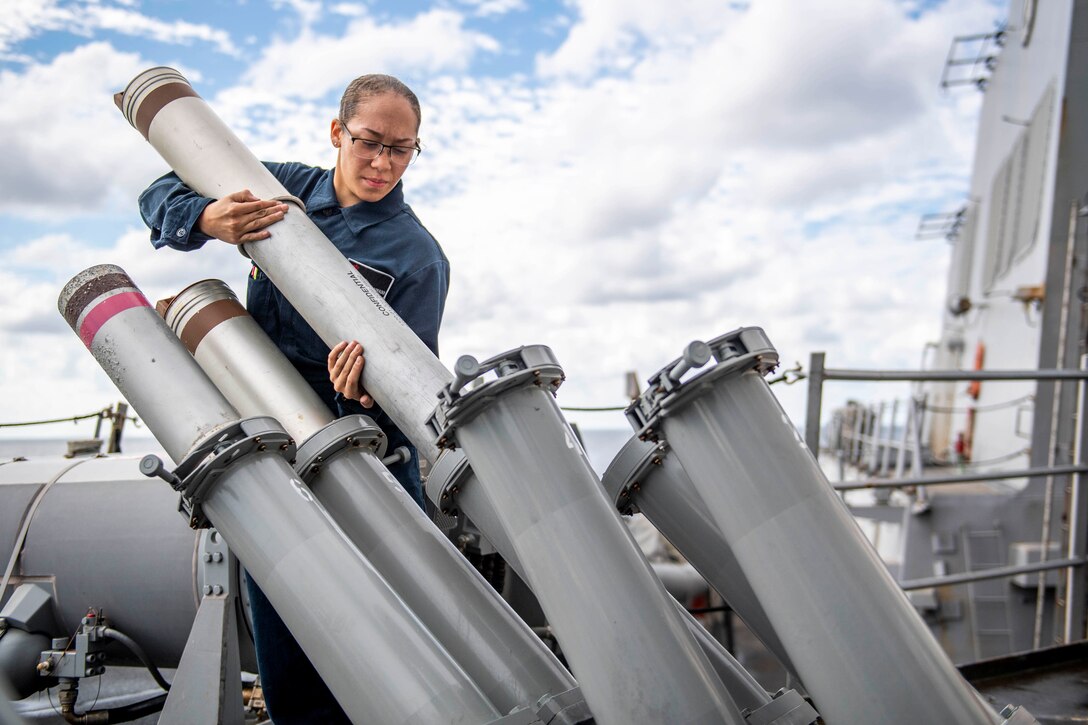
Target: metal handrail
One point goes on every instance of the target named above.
(818, 373)
(1078, 507)
(951, 375)
(959, 478)
(999, 572)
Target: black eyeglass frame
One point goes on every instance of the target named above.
(382, 147)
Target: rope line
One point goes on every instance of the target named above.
(986, 462)
(593, 410)
(74, 419)
(981, 408)
(107, 413)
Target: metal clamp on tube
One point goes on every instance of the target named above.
(526, 365)
(565, 708)
(634, 464)
(195, 476)
(746, 348)
(350, 433)
(445, 480)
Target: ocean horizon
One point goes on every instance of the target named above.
(601, 446)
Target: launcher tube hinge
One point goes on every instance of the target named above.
(202, 467)
(743, 349)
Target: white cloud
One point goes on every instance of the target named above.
(66, 147)
(487, 8)
(350, 10)
(608, 33)
(435, 41)
(309, 11)
(24, 19)
(179, 32)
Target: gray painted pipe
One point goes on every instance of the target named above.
(19, 654)
(248, 363)
(380, 663)
(667, 497)
(404, 377)
(499, 651)
(742, 687)
(864, 654)
(375, 656)
(104, 294)
(151, 590)
(473, 503)
(621, 631)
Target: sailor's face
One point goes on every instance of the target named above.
(387, 119)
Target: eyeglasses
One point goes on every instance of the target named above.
(368, 150)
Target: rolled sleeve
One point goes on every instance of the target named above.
(171, 210)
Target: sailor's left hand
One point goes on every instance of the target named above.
(346, 363)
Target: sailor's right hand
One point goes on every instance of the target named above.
(240, 217)
(346, 363)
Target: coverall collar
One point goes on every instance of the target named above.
(363, 214)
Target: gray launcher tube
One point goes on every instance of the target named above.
(401, 373)
(661, 489)
(862, 651)
(377, 659)
(498, 650)
(474, 503)
(104, 292)
(742, 687)
(633, 655)
(248, 366)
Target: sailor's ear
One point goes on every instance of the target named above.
(334, 132)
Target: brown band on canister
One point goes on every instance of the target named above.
(163, 305)
(204, 321)
(94, 288)
(156, 100)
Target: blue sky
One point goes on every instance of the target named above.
(612, 178)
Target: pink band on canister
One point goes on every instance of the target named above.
(104, 311)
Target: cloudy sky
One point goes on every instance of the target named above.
(613, 178)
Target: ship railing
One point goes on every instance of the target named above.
(868, 443)
(864, 437)
(868, 432)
